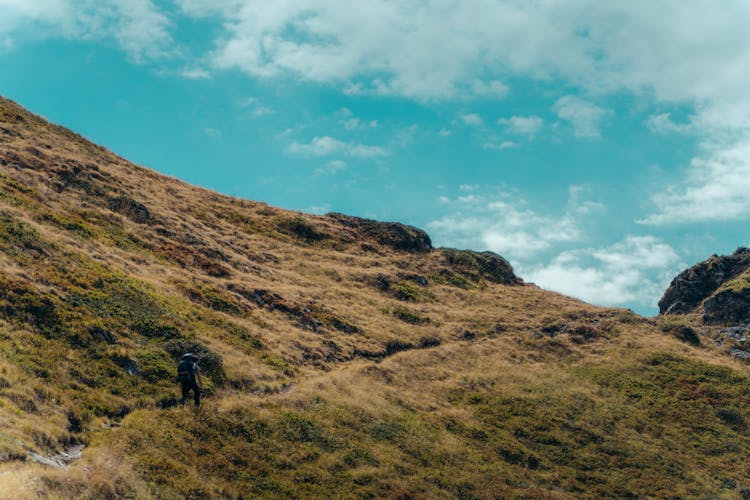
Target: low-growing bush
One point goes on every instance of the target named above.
(681, 331)
(408, 316)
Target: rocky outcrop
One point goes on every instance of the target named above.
(728, 307)
(391, 234)
(476, 265)
(691, 287)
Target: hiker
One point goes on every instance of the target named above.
(187, 370)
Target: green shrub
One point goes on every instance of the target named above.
(19, 233)
(156, 365)
(732, 417)
(681, 330)
(408, 316)
(68, 224)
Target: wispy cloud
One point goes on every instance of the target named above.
(492, 88)
(331, 168)
(326, 145)
(522, 125)
(256, 107)
(634, 270)
(500, 144)
(506, 224)
(584, 116)
(195, 73)
(717, 187)
(140, 27)
(662, 123)
(350, 122)
(472, 119)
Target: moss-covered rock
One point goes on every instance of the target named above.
(390, 234)
(480, 265)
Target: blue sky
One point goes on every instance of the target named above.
(600, 146)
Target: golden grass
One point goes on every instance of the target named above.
(332, 384)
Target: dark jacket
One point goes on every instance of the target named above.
(186, 370)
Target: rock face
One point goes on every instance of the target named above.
(486, 265)
(392, 234)
(702, 285)
(728, 306)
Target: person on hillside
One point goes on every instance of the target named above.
(187, 372)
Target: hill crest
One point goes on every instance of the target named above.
(343, 357)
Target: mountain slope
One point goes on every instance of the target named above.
(344, 357)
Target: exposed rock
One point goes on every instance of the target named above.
(694, 285)
(133, 210)
(416, 278)
(62, 459)
(739, 332)
(392, 234)
(740, 354)
(728, 306)
(302, 229)
(476, 265)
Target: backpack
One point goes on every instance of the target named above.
(185, 370)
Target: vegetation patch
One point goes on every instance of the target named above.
(680, 328)
(409, 316)
(213, 298)
(301, 229)
(133, 210)
(17, 235)
(22, 304)
(68, 224)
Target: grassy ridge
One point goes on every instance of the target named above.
(343, 358)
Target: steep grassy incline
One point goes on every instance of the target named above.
(344, 357)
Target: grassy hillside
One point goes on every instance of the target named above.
(344, 358)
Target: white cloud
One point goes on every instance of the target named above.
(349, 121)
(138, 26)
(585, 117)
(500, 145)
(506, 226)
(195, 73)
(493, 88)
(472, 119)
(389, 48)
(331, 168)
(522, 125)
(262, 111)
(326, 145)
(682, 52)
(717, 187)
(663, 124)
(689, 52)
(635, 270)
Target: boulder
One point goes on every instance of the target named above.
(692, 286)
(476, 265)
(390, 234)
